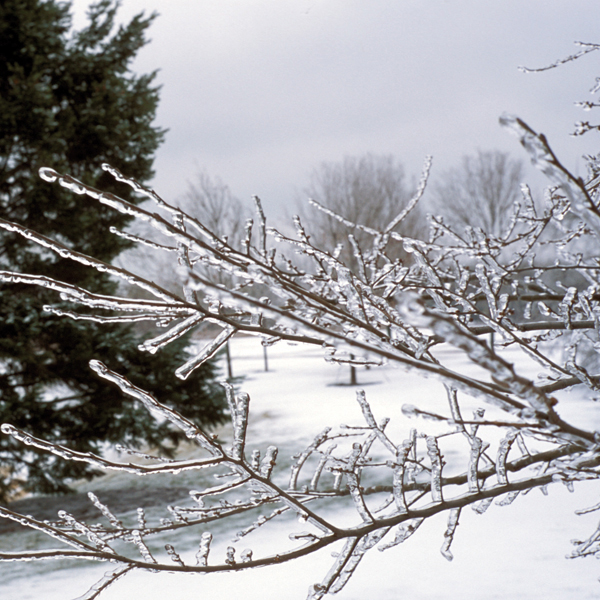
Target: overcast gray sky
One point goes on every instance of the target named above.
(259, 92)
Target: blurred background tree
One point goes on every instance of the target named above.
(369, 190)
(480, 192)
(68, 100)
(209, 200)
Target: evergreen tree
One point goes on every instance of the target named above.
(69, 101)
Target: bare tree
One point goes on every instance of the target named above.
(381, 312)
(370, 191)
(211, 201)
(481, 192)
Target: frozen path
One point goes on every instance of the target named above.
(512, 552)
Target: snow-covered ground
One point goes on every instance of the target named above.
(508, 552)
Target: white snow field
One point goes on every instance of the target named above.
(516, 551)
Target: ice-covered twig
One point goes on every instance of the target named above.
(191, 430)
(587, 48)
(106, 581)
(206, 353)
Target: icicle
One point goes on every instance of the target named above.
(255, 463)
(403, 533)
(262, 227)
(204, 549)
(503, 450)
(268, 462)
(436, 468)
(399, 468)
(508, 499)
(453, 516)
(230, 558)
(141, 519)
(482, 506)
(354, 486)
(475, 454)
(174, 556)
(246, 555)
(240, 423)
(206, 353)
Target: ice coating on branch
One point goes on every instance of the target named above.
(404, 532)
(399, 467)
(350, 565)
(262, 520)
(107, 580)
(476, 450)
(370, 419)
(179, 330)
(191, 430)
(88, 261)
(502, 371)
(268, 462)
(453, 517)
(318, 590)
(246, 555)
(174, 556)
(85, 530)
(48, 174)
(238, 408)
(52, 532)
(303, 457)
(503, 449)
(415, 199)
(544, 159)
(482, 506)
(467, 284)
(436, 468)
(105, 511)
(230, 556)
